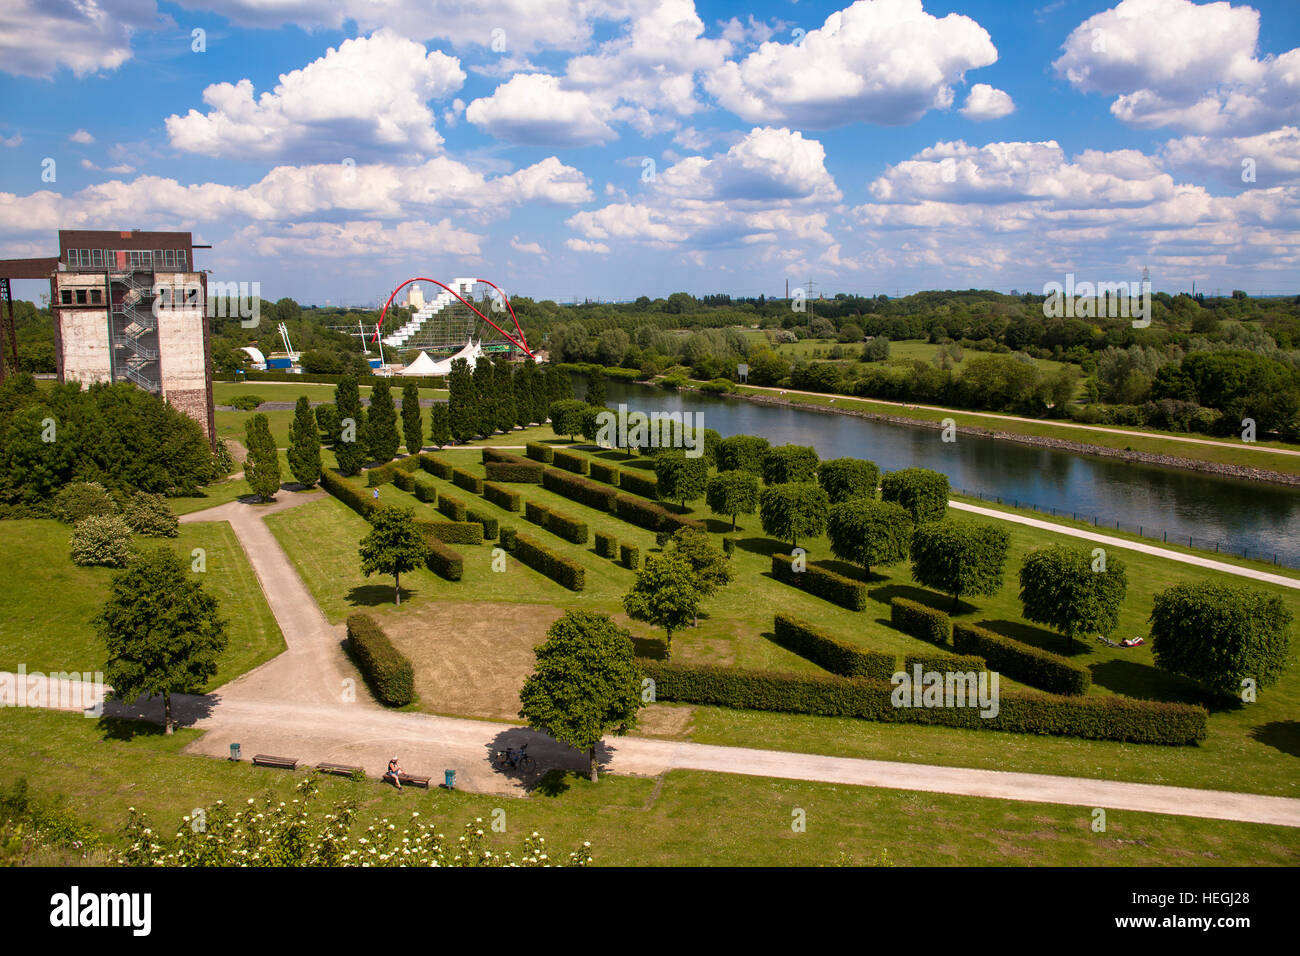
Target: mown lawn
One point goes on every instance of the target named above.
(1250, 748)
(48, 602)
(685, 818)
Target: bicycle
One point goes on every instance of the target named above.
(515, 759)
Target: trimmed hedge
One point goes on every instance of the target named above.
(1023, 662)
(814, 644)
(508, 535)
(540, 558)
(570, 529)
(651, 516)
(383, 475)
(467, 480)
(404, 479)
(836, 588)
(579, 489)
(629, 555)
(916, 619)
(571, 461)
(436, 466)
(606, 545)
(501, 496)
(425, 490)
(538, 514)
(442, 560)
(348, 493)
(1028, 712)
(456, 532)
(491, 526)
(523, 472)
(453, 508)
(384, 667)
(639, 484)
(539, 452)
(602, 472)
(939, 661)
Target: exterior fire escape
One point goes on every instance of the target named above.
(135, 330)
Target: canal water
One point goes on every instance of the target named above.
(1160, 503)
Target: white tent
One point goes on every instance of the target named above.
(424, 365)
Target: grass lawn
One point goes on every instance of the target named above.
(1250, 748)
(48, 602)
(686, 818)
(223, 392)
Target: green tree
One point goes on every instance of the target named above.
(869, 532)
(327, 420)
(526, 382)
(960, 557)
(483, 380)
(680, 478)
(845, 478)
(304, 444)
(349, 450)
(787, 464)
(586, 683)
(262, 466)
(743, 453)
(788, 511)
(393, 545)
(595, 388)
(37, 456)
(921, 491)
(412, 420)
(665, 593)
(439, 425)
(150, 515)
(382, 439)
(567, 417)
(712, 569)
(504, 402)
(559, 385)
(163, 631)
(1073, 590)
(1221, 635)
(460, 401)
(732, 493)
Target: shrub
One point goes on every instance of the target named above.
(346, 492)
(1029, 712)
(540, 452)
(501, 496)
(638, 484)
(442, 560)
(540, 558)
(453, 508)
(571, 461)
(652, 517)
(579, 489)
(384, 667)
(536, 513)
(508, 535)
(83, 499)
(491, 525)
(570, 529)
(454, 532)
(1022, 662)
(606, 545)
(425, 490)
(728, 546)
(467, 480)
(833, 587)
(921, 491)
(524, 473)
(814, 644)
(383, 475)
(920, 621)
(404, 479)
(608, 474)
(410, 464)
(150, 515)
(246, 403)
(789, 463)
(436, 466)
(101, 540)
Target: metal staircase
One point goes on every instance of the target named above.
(135, 331)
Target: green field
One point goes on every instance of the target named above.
(45, 615)
(685, 818)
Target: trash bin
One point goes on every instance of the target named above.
(234, 751)
(449, 778)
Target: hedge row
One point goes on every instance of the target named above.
(606, 545)
(639, 484)
(629, 555)
(939, 661)
(528, 472)
(1022, 662)
(836, 588)
(651, 516)
(571, 461)
(384, 667)
(811, 642)
(916, 619)
(436, 466)
(467, 480)
(442, 560)
(383, 475)
(570, 529)
(346, 492)
(1030, 712)
(605, 473)
(501, 496)
(455, 532)
(508, 535)
(425, 490)
(491, 525)
(536, 513)
(541, 558)
(404, 479)
(539, 452)
(579, 489)
(453, 508)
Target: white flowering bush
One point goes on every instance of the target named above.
(277, 833)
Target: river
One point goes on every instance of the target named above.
(1161, 503)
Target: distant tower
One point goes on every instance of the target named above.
(415, 298)
(1146, 278)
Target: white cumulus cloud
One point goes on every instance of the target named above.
(38, 38)
(987, 103)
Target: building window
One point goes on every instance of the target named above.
(65, 296)
(95, 297)
(97, 258)
(180, 261)
(81, 297)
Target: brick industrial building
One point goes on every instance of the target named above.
(127, 307)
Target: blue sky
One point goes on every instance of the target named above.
(613, 148)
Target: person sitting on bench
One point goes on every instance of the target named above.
(394, 773)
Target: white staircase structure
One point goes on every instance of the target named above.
(444, 300)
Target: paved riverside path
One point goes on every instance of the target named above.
(1167, 554)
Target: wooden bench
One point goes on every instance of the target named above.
(339, 769)
(414, 781)
(282, 763)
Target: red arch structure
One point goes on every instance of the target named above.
(521, 341)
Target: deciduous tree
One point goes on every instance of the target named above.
(732, 493)
(1073, 590)
(393, 545)
(959, 557)
(789, 511)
